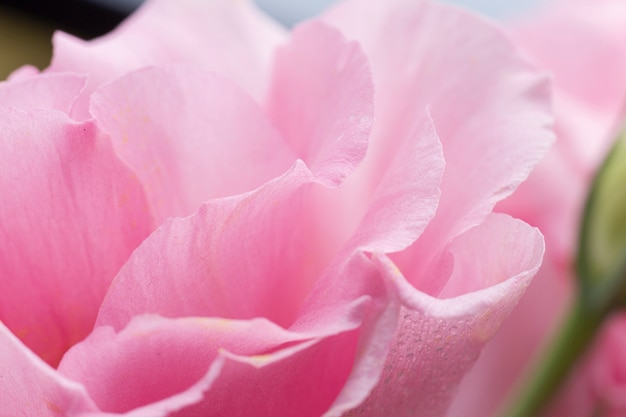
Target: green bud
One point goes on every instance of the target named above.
(601, 262)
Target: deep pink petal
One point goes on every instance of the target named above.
(29, 387)
(438, 340)
(49, 91)
(190, 136)
(490, 110)
(71, 215)
(231, 38)
(263, 370)
(321, 100)
(153, 359)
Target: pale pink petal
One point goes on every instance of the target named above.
(229, 37)
(202, 279)
(50, 91)
(190, 136)
(23, 72)
(236, 258)
(490, 109)
(321, 100)
(438, 340)
(505, 245)
(379, 209)
(30, 387)
(70, 216)
(394, 215)
(401, 204)
(404, 198)
(508, 355)
(487, 385)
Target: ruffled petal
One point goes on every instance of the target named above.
(71, 215)
(438, 340)
(321, 100)
(264, 364)
(231, 38)
(490, 109)
(234, 259)
(190, 136)
(153, 358)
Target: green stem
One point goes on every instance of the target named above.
(569, 345)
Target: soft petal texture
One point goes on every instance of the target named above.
(54, 91)
(231, 259)
(332, 335)
(583, 45)
(321, 92)
(489, 109)
(65, 193)
(25, 377)
(417, 378)
(225, 36)
(277, 295)
(278, 247)
(219, 143)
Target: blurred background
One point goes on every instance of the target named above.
(26, 26)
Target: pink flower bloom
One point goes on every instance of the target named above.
(583, 45)
(207, 216)
(608, 369)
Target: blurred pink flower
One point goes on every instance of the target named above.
(583, 45)
(206, 215)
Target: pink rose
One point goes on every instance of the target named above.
(583, 45)
(207, 216)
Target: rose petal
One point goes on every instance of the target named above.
(490, 110)
(231, 38)
(406, 195)
(321, 100)
(127, 370)
(70, 217)
(50, 91)
(507, 246)
(23, 72)
(232, 259)
(438, 340)
(507, 356)
(31, 388)
(217, 143)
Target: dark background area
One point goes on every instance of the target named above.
(86, 19)
(26, 27)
